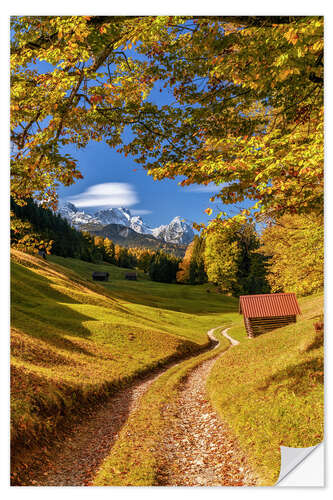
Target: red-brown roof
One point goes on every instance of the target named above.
(268, 305)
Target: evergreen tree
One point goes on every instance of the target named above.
(192, 267)
(123, 258)
(197, 263)
(145, 259)
(163, 268)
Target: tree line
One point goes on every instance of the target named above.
(229, 258)
(287, 256)
(35, 228)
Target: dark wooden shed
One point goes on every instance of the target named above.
(263, 313)
(100, 276)
(42, 253)
(131, 276)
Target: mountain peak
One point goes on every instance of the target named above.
(67, 205)
(177, 231)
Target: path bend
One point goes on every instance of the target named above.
(76, 460)
(198, 449)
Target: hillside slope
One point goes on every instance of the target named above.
(74, 342)
(273, 392)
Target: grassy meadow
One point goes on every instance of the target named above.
(270, 390)
(74, 341)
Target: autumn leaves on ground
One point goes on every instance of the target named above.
(76, 343)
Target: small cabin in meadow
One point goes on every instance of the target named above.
(42, 253)
(266, 312)
(131, 276)
(100, 276)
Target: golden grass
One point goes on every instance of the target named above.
(132, 462)
(74, 342)
(270, 390)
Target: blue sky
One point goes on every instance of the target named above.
(158, 202)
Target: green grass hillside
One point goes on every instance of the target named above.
(270, 389)
(75, 341)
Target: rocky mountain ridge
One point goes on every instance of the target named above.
(178, 231)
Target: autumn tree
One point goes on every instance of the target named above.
(123, 257)
(249, 115)
(233, 262)
(295, 247)
(183, 273)
(109, 251)
(221, 257)
(23, 237)
(248, 111)
(192, 267)
(144, 258)
(99, 245)
(90, 89)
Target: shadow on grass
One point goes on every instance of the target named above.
(192, 299)
(171, 297)
(299, 378)
(317, 342)
(41, 311)
(80, 429)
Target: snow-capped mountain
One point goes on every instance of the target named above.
(139, 226)
(178, 231)
(114, 216)
(76, 217)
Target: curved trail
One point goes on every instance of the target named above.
(198, 449)
(76, 461)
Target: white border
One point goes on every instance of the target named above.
(21, 7)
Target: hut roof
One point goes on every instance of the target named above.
(268, 305)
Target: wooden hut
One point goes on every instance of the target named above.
(263, 313)
(100, 276)
(131, 276)
(42, 253)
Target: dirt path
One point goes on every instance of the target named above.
(198, 449)
(76, 460)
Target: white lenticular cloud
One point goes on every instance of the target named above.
(109, 194)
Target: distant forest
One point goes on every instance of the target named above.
(35, 228)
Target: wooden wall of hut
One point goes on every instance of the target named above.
(257, 326)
